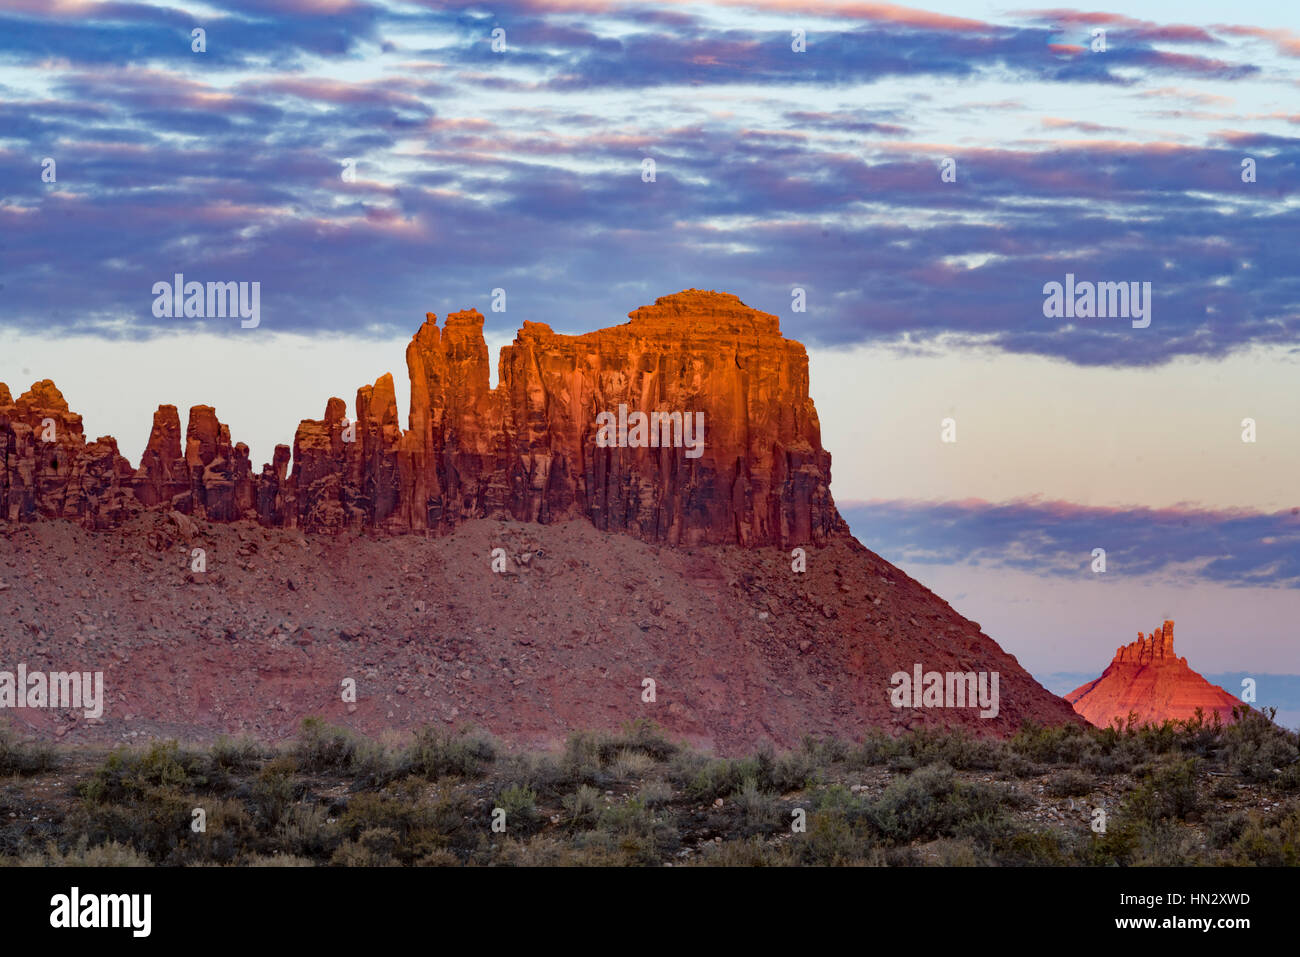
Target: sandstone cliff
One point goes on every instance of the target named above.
(743, 645)
(526, 450)
(1147, 678)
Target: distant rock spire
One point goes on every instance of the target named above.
(1147, 678)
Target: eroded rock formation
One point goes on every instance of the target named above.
(1148, 679)
(527, 449)
(743, 649)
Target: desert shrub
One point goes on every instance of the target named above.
(641, 835)
(1145, 830)
(642, 735)
(1197, 736)
(155, 823)
(372, 847)
(581, 762)
(599, 758)
(1167, 793)
(582, 808)
(836, 797)
(1225, 829)
(305, 830)
(788, 771)
(228, 831)
(957, 853)
(1100, 762)
(137, 805)
(1054, 744)
(145, 799)
(956, 749)
(272, 792)
(605, 849)
(277, 860)
(655, 791)
(542, 773)
(1224, 791)
(323, 748)
(875, 749)
(723, 777)
(932, 802)
(1289, 779)
(1031, 849)
(127, 774)
(1164, 844)
(1256, 748)
(747, 852)
(824, 752)
(836, 837)
(438, 753)
(1158, 739)
(1272, 841)
(1018, 766)
(1070, 783)
(395, 808)
(718, 777)
(583, 849)
(627, 817)
(628, 765)
(375, 766)
(236, 754)
(439, 857)
(520, 805)
(760, 811)
(423, 823)
(23, 757)
(111, 854)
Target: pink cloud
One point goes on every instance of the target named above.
(1177, 93)
(1287, 42)
(1172, 33)
(1056, 123)
(334, 91)
(875, 12)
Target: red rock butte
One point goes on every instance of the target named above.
(524, 450)
(1146, 678)
(747, 650)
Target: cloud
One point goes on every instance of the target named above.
(475, 169)
(1056, 539)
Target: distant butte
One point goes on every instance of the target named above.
(1146, 678)
(525, 450)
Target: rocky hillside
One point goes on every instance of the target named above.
(740, 647)
(215, 600)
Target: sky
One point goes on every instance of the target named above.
(522, 168)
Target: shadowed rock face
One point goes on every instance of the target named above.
(1146, 678)
(527, 449)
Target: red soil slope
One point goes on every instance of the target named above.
(741, 648)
